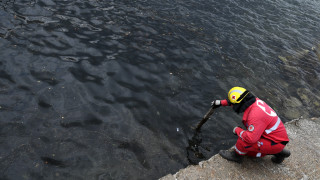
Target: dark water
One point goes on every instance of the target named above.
(93, 89)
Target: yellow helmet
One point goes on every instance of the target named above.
(237, 94)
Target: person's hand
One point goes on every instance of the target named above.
(216, 103)
(234, 130)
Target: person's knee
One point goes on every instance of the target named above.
(240, 150)
(241, 144)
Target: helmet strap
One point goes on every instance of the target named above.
(243, 95)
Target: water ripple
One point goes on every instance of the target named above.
(99, 88)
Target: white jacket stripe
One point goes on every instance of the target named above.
(274, 127)
(241, 134)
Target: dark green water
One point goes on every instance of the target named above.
(110, 89)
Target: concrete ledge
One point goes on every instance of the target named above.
(304, 162)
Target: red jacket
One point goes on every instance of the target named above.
(261, 121)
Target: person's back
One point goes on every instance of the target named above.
(265, 122)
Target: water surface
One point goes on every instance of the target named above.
(110, 89)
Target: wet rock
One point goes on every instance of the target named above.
(292, 114)
(292, 110)
(308, 98)
(283, 59)
(304, 95)
(316, 49)
(293, 102)
(292, 70)
(298, 55)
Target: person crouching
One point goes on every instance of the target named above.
(265, 133)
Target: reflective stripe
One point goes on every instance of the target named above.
(239, 151)
(258, 155)
(241, 134)
(236, 90)
(274, 127)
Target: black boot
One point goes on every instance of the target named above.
(278, 158)
(230, 155)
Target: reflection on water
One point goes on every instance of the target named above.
(111, 89)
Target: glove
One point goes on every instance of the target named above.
(234, 130)
(216, 103)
